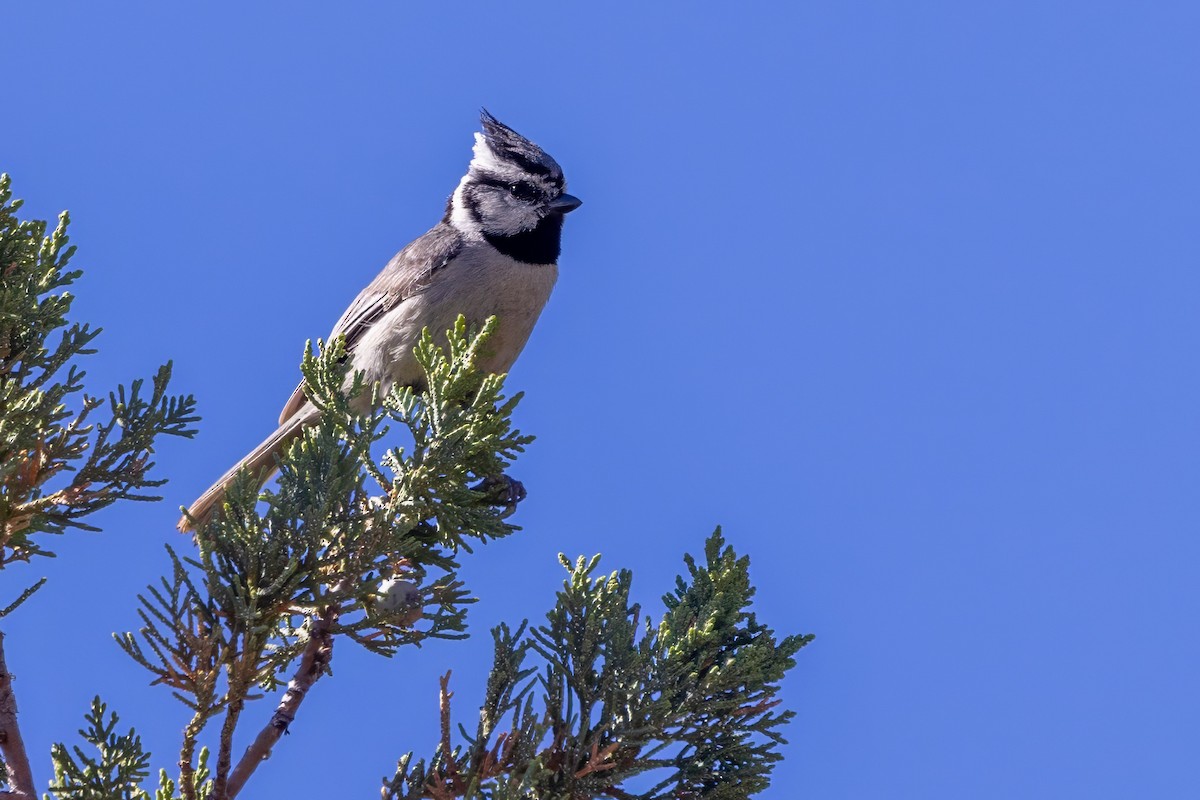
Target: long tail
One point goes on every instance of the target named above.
(260, 462)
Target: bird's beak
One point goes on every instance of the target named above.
(564, 204)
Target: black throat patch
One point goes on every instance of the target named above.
(538, 246)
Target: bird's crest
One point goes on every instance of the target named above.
(500, 150)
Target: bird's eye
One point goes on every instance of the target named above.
(524, 191)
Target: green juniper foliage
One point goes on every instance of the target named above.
(687, 703)
(284, 573)
(118, 768)
(116, 771)
(359, 540)
(57, 465)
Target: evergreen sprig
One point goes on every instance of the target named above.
(187, 644)
(461, 428)
(58, 465)
(345, 545)
(628, 709)
(115, 772)
(119, 767)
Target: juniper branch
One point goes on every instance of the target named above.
(12, 745)
(692, 698)
(282, 572)
(57, 465)
(313, 664)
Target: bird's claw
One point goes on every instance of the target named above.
(503, 491)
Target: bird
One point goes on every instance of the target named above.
(494, 253)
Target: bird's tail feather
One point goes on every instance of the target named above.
(260, 462)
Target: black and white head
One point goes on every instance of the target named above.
(512, 196)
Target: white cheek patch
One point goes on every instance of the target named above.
(460, 216)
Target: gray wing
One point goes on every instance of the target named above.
(407, 274)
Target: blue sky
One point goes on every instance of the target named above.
(902, 294)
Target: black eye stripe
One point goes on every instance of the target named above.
(523, 190)
(495, 183)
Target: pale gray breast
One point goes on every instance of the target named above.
(479, 282)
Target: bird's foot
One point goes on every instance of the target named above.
(503, 491)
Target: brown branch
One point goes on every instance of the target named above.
(187, 771)
(233, 712)
(760, 707)
(444, 695)
(446, 785)
(313, 665)
(598, 761)
(20, 775)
